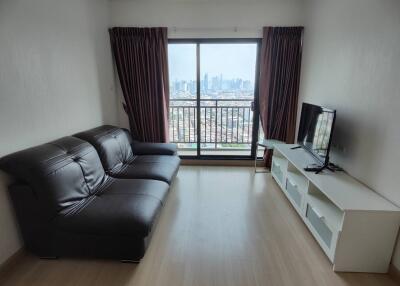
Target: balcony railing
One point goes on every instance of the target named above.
(223, 122)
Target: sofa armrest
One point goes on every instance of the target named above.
(140, 148)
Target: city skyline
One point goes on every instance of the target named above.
(213, 84)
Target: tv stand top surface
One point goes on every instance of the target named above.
(342, 189)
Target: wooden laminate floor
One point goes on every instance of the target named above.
(220, 226)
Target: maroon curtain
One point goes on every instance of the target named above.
(141, 58)
(279, 83)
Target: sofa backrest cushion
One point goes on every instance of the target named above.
(62, 173)
(113, 145)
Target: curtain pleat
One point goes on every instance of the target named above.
(280, 63)
(141, 58)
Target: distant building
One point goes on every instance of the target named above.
(206, 82)
(236, 87)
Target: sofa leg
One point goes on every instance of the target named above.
(130, 261)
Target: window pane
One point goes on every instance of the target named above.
(183, 89)
(227, 70)
(182, 71)
(227, 73)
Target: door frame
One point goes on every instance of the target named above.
(256, 112)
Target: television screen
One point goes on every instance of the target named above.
(315, 130)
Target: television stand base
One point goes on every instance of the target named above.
(319, 169)
(296, 147)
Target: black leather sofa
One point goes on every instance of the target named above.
(141, 161)
(70, 201)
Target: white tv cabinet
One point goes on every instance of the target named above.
(355, 226)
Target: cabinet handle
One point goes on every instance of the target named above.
(321, 217)
(293, 184)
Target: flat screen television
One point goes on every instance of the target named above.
(315, 131)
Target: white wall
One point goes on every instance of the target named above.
(56, 78)
(206, 18)
(351, 63)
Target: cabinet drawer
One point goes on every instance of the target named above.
(277, 171)
(293, 192)
(317, 221)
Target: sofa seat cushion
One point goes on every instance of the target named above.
(152, 188)
(124, 208)
(155, 167)
(140, 148)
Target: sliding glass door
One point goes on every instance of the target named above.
(227, 72)
(213, 110)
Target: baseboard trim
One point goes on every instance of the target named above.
(394, 273)
(11, 261)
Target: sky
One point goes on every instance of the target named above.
(231, 60)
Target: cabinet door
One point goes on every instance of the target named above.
(277, 171)
(324, 233)
(294, 193)
(317, 221)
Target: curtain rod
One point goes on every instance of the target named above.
(215, 29)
